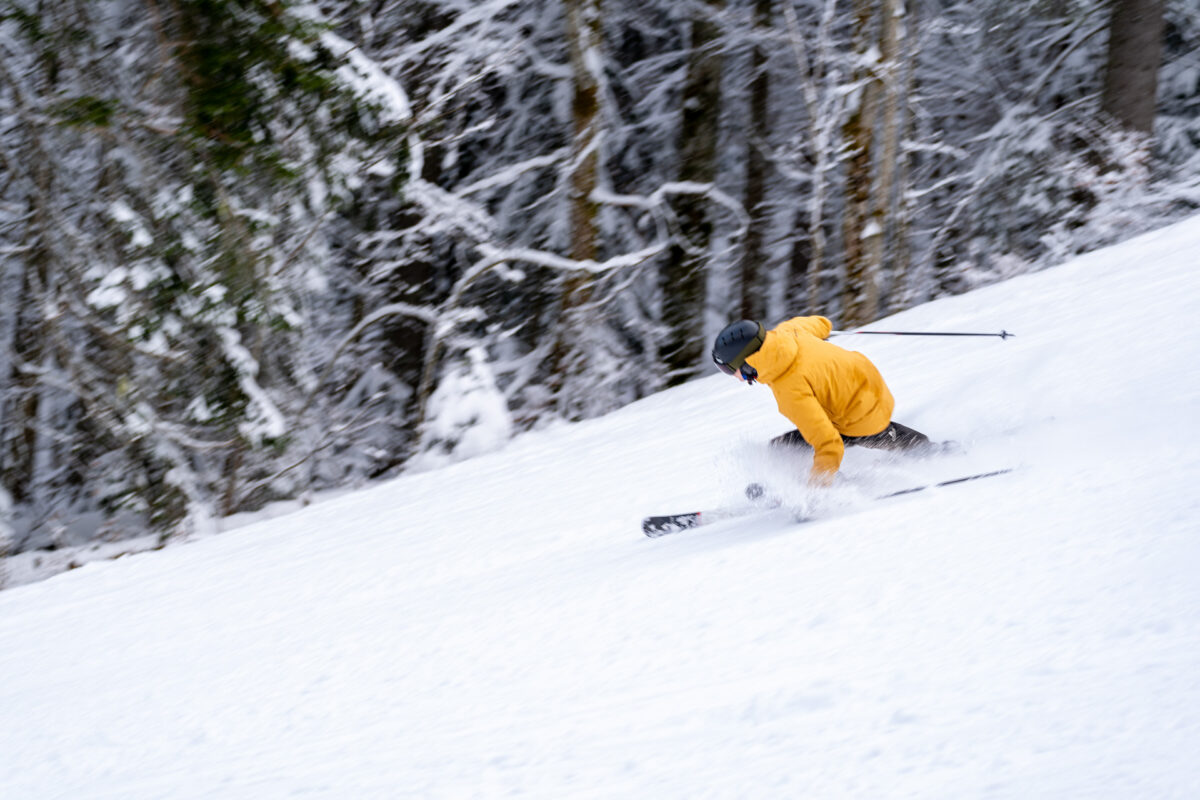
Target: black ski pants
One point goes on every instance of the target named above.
(894, 437)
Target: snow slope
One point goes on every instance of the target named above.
(501, 628)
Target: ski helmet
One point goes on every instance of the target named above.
(737, 342)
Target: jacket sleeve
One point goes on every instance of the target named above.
(819, 327)
(814, 425)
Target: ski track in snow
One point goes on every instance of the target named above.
(501, 628)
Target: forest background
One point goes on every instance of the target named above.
(256, 249)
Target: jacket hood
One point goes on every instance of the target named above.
(775, 357)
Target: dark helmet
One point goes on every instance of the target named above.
(737, 342)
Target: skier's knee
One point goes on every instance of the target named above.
(791, 439)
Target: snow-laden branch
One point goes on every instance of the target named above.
(368, 80)
(710, 191)
(449, 211)
(658, 197)
(1055, 67)
(263, 420)
(511, 173)
(480, 13)
(426, 314)
(495, 256)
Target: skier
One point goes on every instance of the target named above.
(834, 397)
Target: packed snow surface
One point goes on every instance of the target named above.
(501, 628)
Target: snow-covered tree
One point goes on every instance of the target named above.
(250, 248)
(173, 197)
(467, 414)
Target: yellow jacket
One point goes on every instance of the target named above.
(827, 392)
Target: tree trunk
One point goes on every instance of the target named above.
(584, 42)
(583, 35)
(754, 261)
(806, 266)
(860, 294)
(683, 275)
(1135, 43)
(880, 249)
(901, 284)
(31, 339)
(11, 282)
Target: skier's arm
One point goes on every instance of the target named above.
(817, 326)
(814, 425)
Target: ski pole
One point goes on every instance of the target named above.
(1002, 334)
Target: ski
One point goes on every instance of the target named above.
(655, 527)
(950, 482)
(673, 523)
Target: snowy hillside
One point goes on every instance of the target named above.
(501, 628)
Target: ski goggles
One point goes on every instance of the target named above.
(728, 369)
(743, 372)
